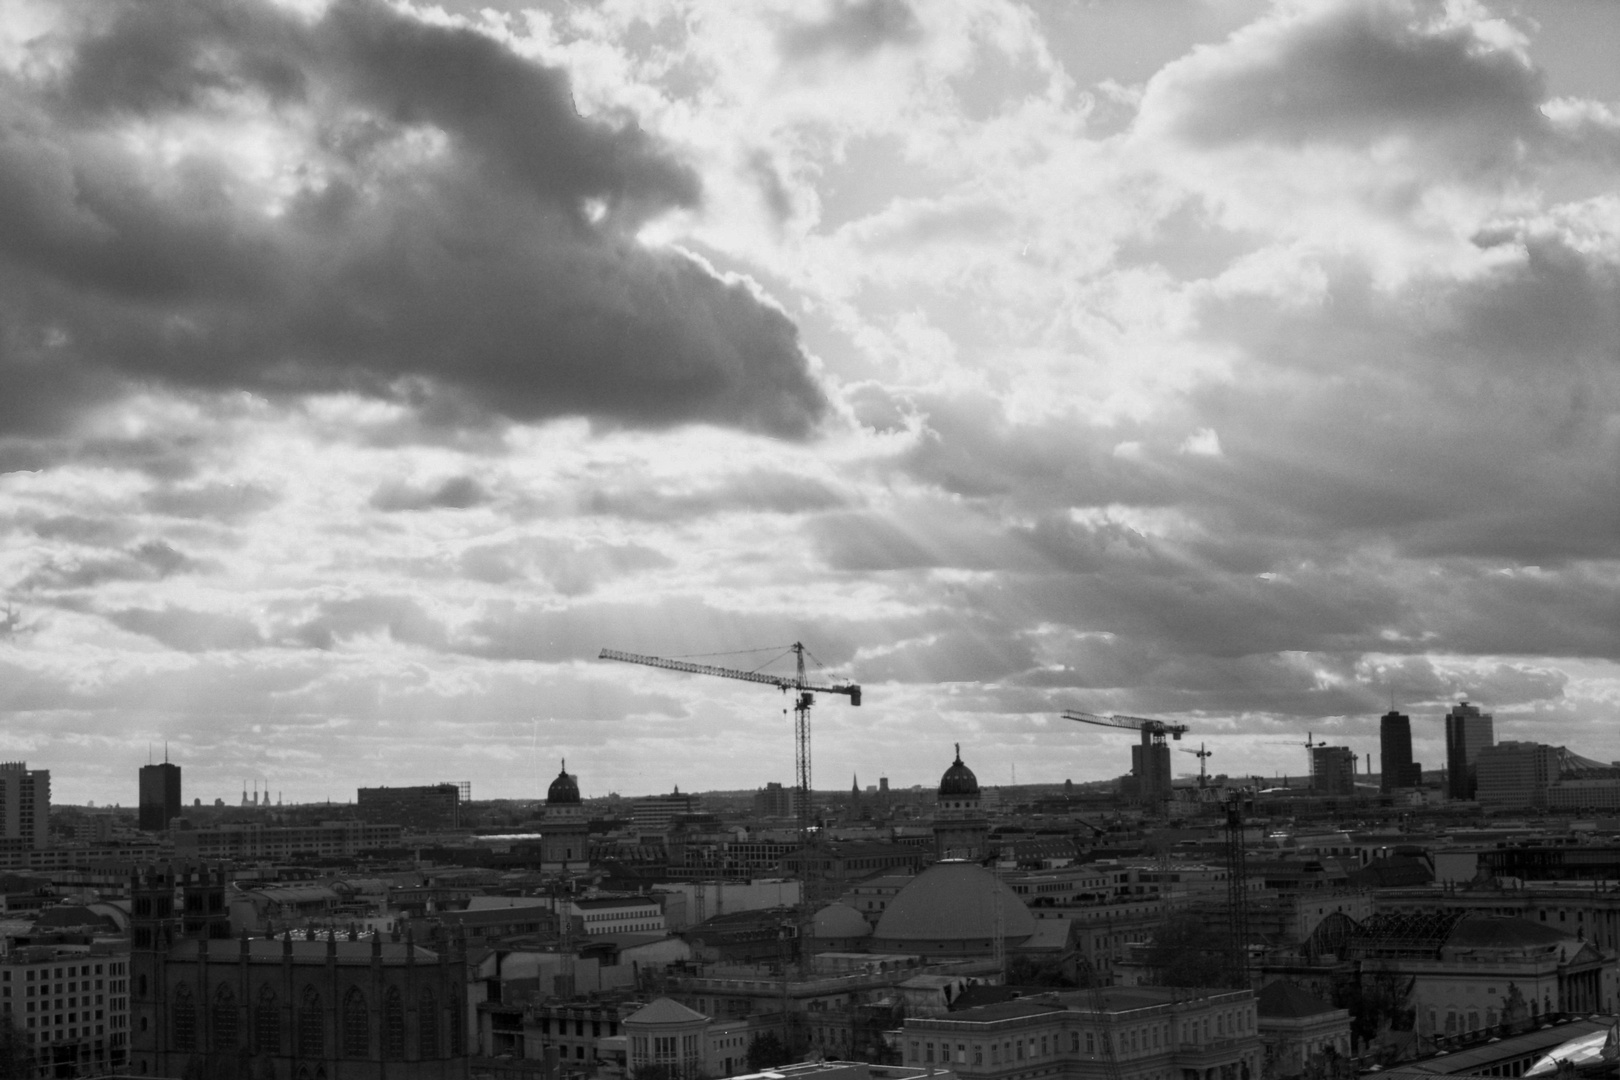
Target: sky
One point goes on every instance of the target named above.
(366, 368)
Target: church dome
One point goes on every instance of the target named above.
(564, 790)
(950, 902)
(958, 779)
(839, 920)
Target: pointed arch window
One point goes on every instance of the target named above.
(226, 1020)
(311, 1026)
(267, 1023)
(427, 1026)
(356, 1024)
(183, 1032)
(456, 1032)
(393, 1025)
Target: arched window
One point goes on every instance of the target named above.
(311, 1026)
(456, 1020)
(427, 1026)
(356, 1024)
(226, 1020)
(393, 1047)
(267, 1023)
(183, 1033)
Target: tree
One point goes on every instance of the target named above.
(767, 1051)
(1184, 952)
(1030, 971)
(16, 1056)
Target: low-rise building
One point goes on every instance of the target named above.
(1298, 1030)
(1151, 1033)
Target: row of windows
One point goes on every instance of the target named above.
(71, 970)
(1130, 1040)
(309, 1023)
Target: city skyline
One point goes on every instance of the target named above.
(367, 369)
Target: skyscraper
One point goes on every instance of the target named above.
(160, 796)
(1395, 753)
(1468, 731)
(25, 807)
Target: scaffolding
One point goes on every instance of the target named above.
(1402, 934)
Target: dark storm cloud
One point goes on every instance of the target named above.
(1354, 73)
(854, 29)
(498, 276)
(456, 493)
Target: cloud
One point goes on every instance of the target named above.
(455, 493)
(189, 631)
(1357, 73)
(853, 28)
(228, 196)
(149, 561)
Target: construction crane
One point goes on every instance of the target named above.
(1150, 762)
(1237, 888)
(1202, 754)
(804, 692)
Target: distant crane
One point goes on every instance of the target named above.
(1150, 762)
(1203, 755)
(804, 691)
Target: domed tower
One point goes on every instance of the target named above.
(961, 831)
(563, 830)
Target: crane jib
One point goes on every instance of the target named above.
(781, 682)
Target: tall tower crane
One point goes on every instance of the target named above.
(804, 692)
(1202, 754)
(1150, 761)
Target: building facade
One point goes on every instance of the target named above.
(25, 807)
(255, 841)
(205, 1004)
(430, 806)
(71, 1003)
(1515, 775)
(160, 796)
(1151, 1033)
(1333, 770)
(1468, 731)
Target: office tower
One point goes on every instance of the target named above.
(1468, 731)
(1333, 770)
(25, 807)
(1395, 753)
(160, 796)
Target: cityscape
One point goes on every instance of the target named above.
(1456, 921)
(809, 539)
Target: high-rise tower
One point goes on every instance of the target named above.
(160, 796)
(1468, 731)
(1395, 753)
(25, 806)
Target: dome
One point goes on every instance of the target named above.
(954, 901)
(564, 790)
(839, 920)
(958, 779)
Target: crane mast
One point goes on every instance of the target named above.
(804, 692)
